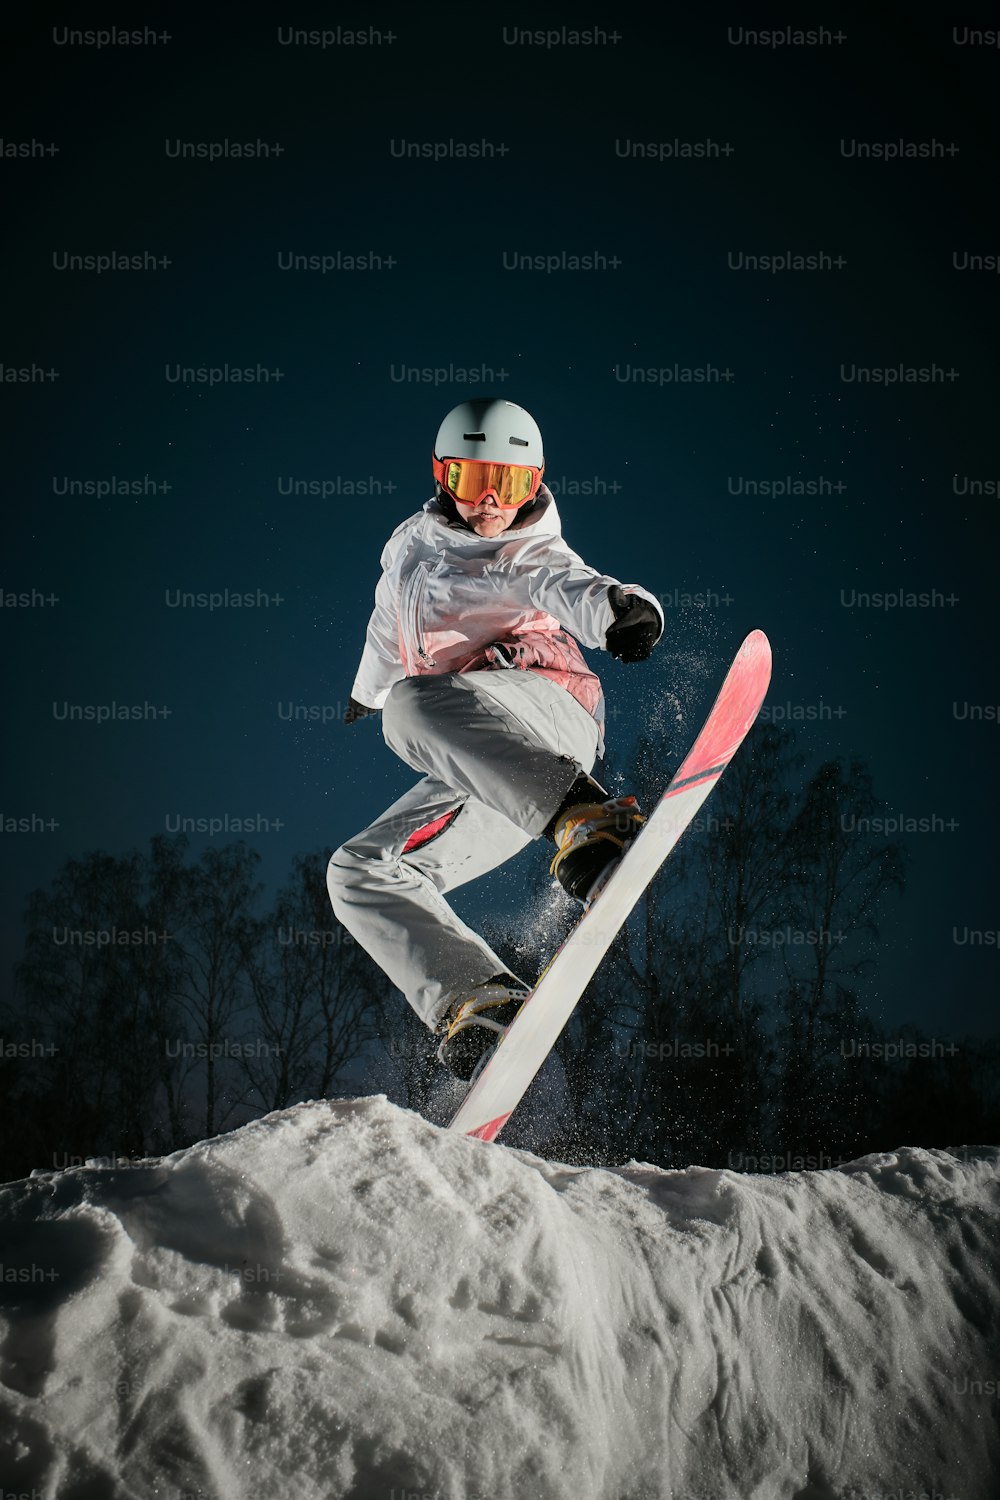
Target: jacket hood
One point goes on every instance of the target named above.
(539, 518)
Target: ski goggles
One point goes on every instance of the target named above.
(469, 479)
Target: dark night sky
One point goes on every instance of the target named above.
(558, 344)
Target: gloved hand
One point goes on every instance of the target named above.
(636, 629)
(356, 710)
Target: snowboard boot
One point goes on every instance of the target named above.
(591, 838)
(476, 1020)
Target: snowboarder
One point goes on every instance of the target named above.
(471, 655)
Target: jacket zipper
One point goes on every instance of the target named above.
(413, 616)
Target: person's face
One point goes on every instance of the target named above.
(486, 517)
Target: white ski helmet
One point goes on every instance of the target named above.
(492, 431)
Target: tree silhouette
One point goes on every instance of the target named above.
(216, 934)
(317, 994)
(839, 874)
(95, 992)
(156, 1002)
(153, 1004)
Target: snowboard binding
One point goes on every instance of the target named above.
(591, 838)
(475, 1022)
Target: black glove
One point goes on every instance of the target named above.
(637, 627)
(356, 710)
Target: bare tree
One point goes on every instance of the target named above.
(840, 873)
(164, 971)
(99, 980)
(218, 894)
(317, 994)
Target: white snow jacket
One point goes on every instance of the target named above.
(451, 601)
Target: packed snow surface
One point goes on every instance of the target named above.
(344, 1300)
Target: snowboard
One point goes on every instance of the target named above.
(502, 1082)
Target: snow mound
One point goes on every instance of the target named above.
(342, 1300)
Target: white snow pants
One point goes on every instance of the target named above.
(499, 751)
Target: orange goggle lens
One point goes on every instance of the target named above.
(468, 479)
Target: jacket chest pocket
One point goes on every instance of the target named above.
(412, 593)
(433, 592)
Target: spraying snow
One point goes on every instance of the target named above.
(343, 1300)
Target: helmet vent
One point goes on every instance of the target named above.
(476, 437)
(523, 442)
